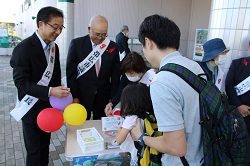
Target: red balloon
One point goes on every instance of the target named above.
(50, 120)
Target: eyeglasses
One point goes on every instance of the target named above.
(103, 35)
(56, 27)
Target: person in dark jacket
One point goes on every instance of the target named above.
(135, 70)
(31, 60)
(237, 86)
(93, 68)
(122, 41)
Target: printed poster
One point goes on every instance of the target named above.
(200, 39)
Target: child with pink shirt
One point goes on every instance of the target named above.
(135, 102)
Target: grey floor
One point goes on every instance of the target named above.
(12, 151)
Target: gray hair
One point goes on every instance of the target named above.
(123, 28)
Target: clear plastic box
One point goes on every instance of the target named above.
(90, 140)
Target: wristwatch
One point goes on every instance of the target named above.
(140, 139)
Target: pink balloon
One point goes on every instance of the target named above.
(62, 103)
(50, 120)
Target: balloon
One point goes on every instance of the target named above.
(75, 114)
(50, 120)
(62, 103)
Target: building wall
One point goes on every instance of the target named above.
(230, 21)
(189, 15)
(200, 13)
(25, 25)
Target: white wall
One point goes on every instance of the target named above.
(132, 13)
(230, 21)
(28, 25)
(189, 15)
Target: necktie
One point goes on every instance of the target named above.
(97, 64)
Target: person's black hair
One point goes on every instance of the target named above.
(164, 32)
(47, 13)
(136, 100)
(134, 62)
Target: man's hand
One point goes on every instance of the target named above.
(137, 131)
(244, 110)
(108, 109)
(59, 92)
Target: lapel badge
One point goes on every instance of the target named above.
(245, 62)
(102, 46)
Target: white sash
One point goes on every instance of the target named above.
(219, 79)
(243, 86)
(122, 55)
(91, 59)
(147, 78)
(28, 101)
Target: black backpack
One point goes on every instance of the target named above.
(224, 133)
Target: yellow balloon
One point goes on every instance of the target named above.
(75, 114)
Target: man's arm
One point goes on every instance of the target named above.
(116, 71)
(71, 69)
(124, 42)
(229, 85)
(23, 76)
(173, 143)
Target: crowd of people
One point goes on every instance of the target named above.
(101, 72)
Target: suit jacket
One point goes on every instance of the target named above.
(238, 71)
(122, 42)
(29, 63)
(89, 85)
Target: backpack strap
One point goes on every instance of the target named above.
(206, 73)
(196, 82)
(147, 116)
(184, 161)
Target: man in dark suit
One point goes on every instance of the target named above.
(239, 95)
(30, 61)
(122, 41)
(93, 81)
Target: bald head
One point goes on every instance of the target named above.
(98, 28)
(97, 20)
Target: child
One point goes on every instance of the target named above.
(135, 102)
